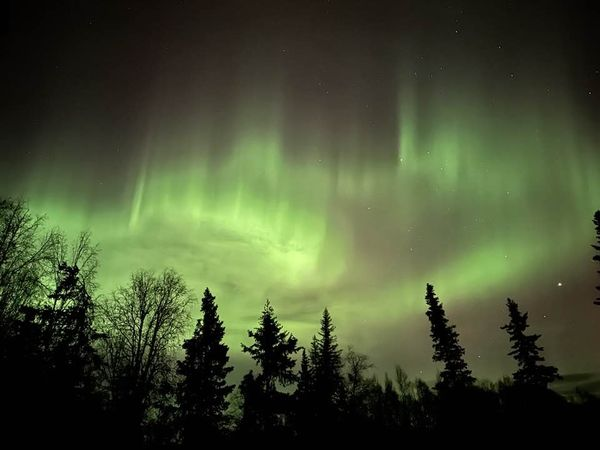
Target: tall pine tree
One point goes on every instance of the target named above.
(304, 396)
(273, 350)
(305, 382)
(526, 351)
(203, 388)
(327, 364)
(58, 371)
(446, 347)
(596, 247)
(67, 331)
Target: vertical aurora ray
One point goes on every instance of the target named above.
(318, 165)
(462, 186)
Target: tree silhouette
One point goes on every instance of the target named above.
(304, 396)
(391, 405)
(252, 410)
(423, 412)
(357, 387)
(305, 377)
(68, 333)
(407, 398)
(141, 323)
(25, 261)
(327, 364)
(357, 364)
(202, 391)
(69, 337)
(82, 253)
(273, 351)
(526, 351)
(446, 347)
(596, 247)
(55, 362)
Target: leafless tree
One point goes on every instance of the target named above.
(141, 324)
(25, 258)
(356, 365)
(81, 253)
(406, 387)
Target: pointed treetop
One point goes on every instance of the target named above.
(272, 350)
(446, 347)
(526, 351)
(596, 247)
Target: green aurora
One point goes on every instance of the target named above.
(485, 188)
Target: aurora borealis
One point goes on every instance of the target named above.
(326, 153)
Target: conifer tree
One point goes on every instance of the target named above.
(305, 381)
(446, 347)
(60, 365)
(327, 364)
(251, 406)
(596, 247)
(67, 331)
(391, 404)
(304, 396)
(526, 351)
(203, 389)
(273, 350)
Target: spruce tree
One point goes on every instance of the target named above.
(251, 407)
(304, 396)
(203, 388)
(446, 347)
(526, 351)
(327, 363)
(67, 331)
(273, 350)
(305, 381)
(391, 404)
(58, 372)
(596, 247)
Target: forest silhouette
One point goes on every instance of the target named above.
(80, 370)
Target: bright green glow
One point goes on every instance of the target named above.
(479, 199)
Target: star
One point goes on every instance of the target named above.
(559, 284)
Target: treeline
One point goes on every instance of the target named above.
(76, 369)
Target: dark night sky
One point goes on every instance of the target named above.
(324, 153)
